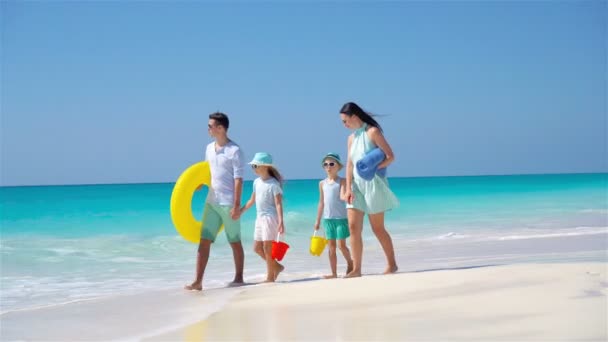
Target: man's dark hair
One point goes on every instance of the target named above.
(221, 119)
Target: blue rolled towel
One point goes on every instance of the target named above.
(367, 166)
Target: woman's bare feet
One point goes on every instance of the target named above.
(330, 276)
(353, 274)
(194, 287)
(391, 269)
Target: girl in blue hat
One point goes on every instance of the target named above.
(333, 210)
(268, 199)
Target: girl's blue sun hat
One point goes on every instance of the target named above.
(262, 159)
(334, 156)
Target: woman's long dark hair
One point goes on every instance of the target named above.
(351, 108)
(276, 175)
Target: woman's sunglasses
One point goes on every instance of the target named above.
(329, 164)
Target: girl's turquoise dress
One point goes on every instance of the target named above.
(373, 196)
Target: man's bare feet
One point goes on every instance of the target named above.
(353, 274)
(278, 270)
(330, 276)
(391, 269)
(194, 287)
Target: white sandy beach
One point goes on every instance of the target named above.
(555, 301)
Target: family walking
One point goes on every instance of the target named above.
(343, 202)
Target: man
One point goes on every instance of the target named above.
(222, 207)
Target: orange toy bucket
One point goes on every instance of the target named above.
(279, 249)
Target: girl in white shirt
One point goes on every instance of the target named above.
(268, 198)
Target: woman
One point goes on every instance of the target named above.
(372, 197)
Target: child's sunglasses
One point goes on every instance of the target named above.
(254, 166)
(329, 164)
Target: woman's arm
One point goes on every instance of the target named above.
(378, 138)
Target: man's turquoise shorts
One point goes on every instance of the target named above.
(214, 217)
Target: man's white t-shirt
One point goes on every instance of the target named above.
(226, 164)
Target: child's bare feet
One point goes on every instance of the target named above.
(391, 269)
(278, 270)
(194, 287)
(237, 281)
(349, 267)
(330, 276)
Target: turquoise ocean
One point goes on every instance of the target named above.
(61, 244)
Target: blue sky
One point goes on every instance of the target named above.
(120, 92)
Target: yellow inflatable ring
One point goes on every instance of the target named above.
(181, 200)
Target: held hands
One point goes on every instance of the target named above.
(235, 213)
(281, 228)
(317, 226)
(349, 197)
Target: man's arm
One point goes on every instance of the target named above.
(238, 170)
(238, 192)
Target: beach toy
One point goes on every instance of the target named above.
(181, 200)
(279, 249)
(367, 166)
(317, 244)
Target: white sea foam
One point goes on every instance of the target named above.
(558, 233)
